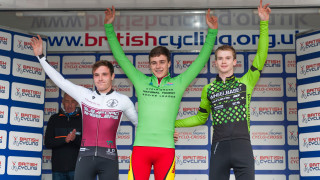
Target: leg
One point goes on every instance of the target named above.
(107, 168)
(220, 161)
(85, 168)
(140, 164)
(164, 164)
(70, 175)
(242, 160)
(58, 176)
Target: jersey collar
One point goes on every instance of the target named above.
(230, 78)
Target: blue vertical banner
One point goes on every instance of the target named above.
(308, 87)
(22, 92)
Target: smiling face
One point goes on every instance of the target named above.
(103, 78)
(225, 62)
(159, 66)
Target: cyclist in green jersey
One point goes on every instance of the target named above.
(159, 97)
(228, 100)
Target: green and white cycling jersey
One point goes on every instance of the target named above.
(229, 101)
(158, 103)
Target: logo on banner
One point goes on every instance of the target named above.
(123, 159)
(311, 142)
(78, 65)
(311, 167)
(310, 117)
(260, 160)
(46, 159)
(309, 44)
(25, 141)
(292, 87)
(194, 87)
(142, 64)
(293, 135)
(263, 88)
(3, 40)
(2, 89)
(26, 117)
(123, 135)
(1, 114)
(270, 135)
(266, 111)
(294, 160)
(122, 87)
(28, 69)
(195, 134)
(305, 93)
(54, 64)
(188, 111)
(115, 64)
(20, 92)
(24, 166)
(22, 45)
(272, 63)
(181, 159)
(1, 137)
(184, 64)
(304, 69)
(50, 111)
(3, 65)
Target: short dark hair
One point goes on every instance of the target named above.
(160, 50)
(226, 47)
(103, 63)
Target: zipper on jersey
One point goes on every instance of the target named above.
(96, 152)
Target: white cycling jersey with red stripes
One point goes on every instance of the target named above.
(101, 114)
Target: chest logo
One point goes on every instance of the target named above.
(112, 103)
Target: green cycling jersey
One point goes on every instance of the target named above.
(158, 103)
(229, 101)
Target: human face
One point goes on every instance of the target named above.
(225, 62)
(69, 104)
(160, 66)
(103, 79)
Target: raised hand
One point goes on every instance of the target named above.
(109, 15)
(212, 21)
(264, 11)
(36, 44)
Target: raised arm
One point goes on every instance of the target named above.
(133, 74)
(204, 55)
(202, 115)
(67, 86)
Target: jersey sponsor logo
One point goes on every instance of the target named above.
(309, 117)
(292, 134)
(25, 141)
(4, 89)
(182, 63)
(5, 41)
(3, 139)
(309, 167)
(269, 160)
(290, 60)
(46, 159)
(292, 111)
(293, 159)
(309, 92)
(308, 68)
(193, 136)
(192, 159)
(26, 117)
(24, 166)
(3, 114)
(112, 103)
(5, 64)
(309, 141)
(97, 113)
